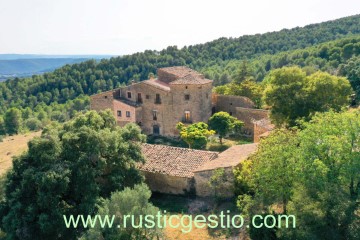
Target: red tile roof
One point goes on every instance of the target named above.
(180, 71)
(230, 157)
(191, 79)
(174, 161)
(158, 84)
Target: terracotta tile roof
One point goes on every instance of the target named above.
(180, 71)
(230, 157)
(174, 161)
(191, 79)
(158, 84)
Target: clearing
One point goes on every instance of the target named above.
(12, 146)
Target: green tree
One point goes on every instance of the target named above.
(326, 202)
(13, 121)
(292, 96)
(65, 171)
(327, 92)
(2, 126)
(33, 124)
(222, 123)
(133, 202)
(195, 135)
(243, 72)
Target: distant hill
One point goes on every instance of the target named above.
(23, 65)
(92, 76)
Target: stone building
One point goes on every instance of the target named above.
(179, 94)
(187, 171)
(262, 129)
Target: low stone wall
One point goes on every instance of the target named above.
(258, 131)
(248, 116)
(229, 104)
(162, 183)
(202, 183)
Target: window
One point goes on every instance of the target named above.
(158, 99)
(185, 87)
(156, 130)
(129, 94)
(154, 115)
(105, 97)
(147, 96)
(139, 98)
(207, 95)
(230, 113)
(187, 117)
(119, 113)
(230, 103)
(187, 97)
(127, 113)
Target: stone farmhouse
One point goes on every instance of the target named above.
(179, 94)
(184, 171)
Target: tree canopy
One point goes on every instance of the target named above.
(313, 174)
(195, 135)
(65, 171)
(292, 96)
(222, 123)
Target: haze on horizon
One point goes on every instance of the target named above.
(117, 27)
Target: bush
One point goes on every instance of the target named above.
(33, 124)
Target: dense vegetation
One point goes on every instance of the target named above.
(67, 171)
(313, 174)
(91, 77)
(293, 96)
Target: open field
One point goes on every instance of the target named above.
(13, 146)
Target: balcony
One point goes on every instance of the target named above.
(186, 120)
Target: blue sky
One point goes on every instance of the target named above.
(126, 26)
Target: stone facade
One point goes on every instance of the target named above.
(185, 171)
(179, 94)
(262, 129)
(157, 105)
(249, 116)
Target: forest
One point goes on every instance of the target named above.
(308, 166)
(332, 46)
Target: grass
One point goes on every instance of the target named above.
(12, 146)
(180, 205)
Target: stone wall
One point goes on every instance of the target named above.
(162, 183)
(102, 101)
(258, 131)
(229, 104)
(149, 106)
(123, 107)
(199, 103)
(202, 180)
(248, 116)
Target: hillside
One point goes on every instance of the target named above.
(91, 77)
(25, 65)
(28, 67)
